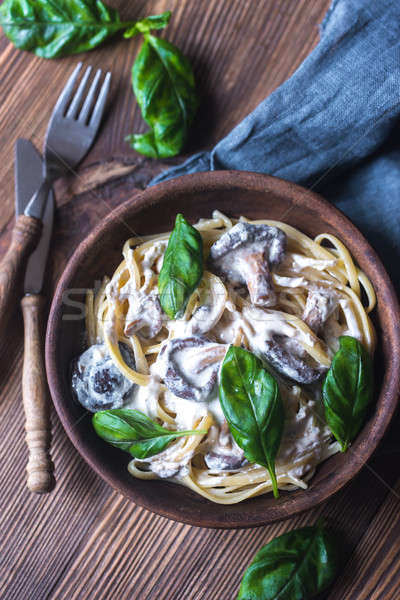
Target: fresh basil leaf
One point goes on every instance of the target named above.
(114, 429)
(52, 29)
(297, 565)
(347, 390)
(253, 408)
(164, 86)
(182, 268)
(135, 432)
(149, 23)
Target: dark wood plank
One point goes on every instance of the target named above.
(84, 540)
(178, 561)
(373, 571)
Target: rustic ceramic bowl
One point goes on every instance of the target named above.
(154, 210)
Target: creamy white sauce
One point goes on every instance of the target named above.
(145, 398)
(332, 331)
(188, 414)
(299, 262)
(227, 328)
(261, 325)
(153, 254)
(305, 434)
(353, 327)
(292, 282)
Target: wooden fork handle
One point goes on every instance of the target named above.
(36, 399)
(25, 236)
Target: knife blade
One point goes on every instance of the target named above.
(25, 233)
(28, 178)
(35, 395)
(28, 173)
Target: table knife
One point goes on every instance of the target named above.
(25, 236)
(28, 177)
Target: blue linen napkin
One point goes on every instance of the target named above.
(333, 126)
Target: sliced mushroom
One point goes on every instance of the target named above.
(189, 366)
(144, 315)
(245, 254)
(225, 454)
(281, 355)
(320, 304)
(216, 461)
(97, 384)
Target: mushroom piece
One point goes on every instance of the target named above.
(218, 461)
(245, 254)
(286, 361)
(97, 384)
(321, 303)
(226, 454)
(189, 366)
(144, 315)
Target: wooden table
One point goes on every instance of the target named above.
(85, 540)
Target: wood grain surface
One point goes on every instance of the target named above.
(84, 540)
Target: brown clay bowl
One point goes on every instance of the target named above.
(154, 210)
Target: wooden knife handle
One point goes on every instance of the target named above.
(36, 399)
(25, 236)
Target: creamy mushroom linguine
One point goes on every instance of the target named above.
(265, 287)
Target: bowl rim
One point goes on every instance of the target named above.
(299, 196)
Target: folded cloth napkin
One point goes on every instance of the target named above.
(333, 126)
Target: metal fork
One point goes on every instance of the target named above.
(70, 133)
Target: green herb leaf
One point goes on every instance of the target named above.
(149, 23)
(164, 86)
(347, 390)
(134, 432)
(182, 268)
(52, 29)
(253, 408)
(297, 565)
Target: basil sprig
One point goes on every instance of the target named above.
(164, 86)
(162, 77)
(347, 390)
(148, 23)
(182, 268)
(134, 432)
(253, 408)
(52, 29)
(294, 566)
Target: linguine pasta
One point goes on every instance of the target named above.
(212, 465)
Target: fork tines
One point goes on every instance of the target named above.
(90, 113)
